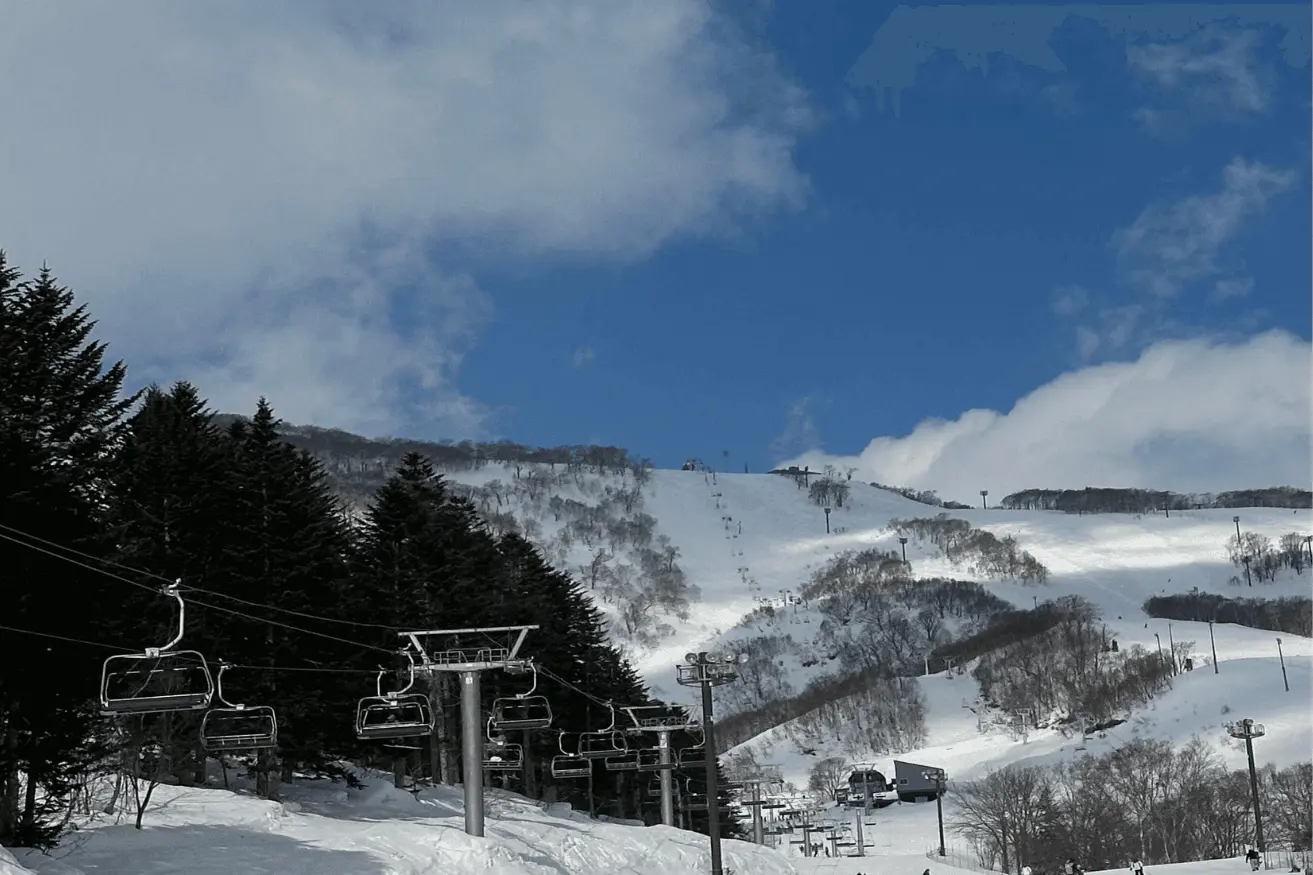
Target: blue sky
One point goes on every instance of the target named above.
(659, 227)
(919, 278)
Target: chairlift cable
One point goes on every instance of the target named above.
(30, 538)
(184, 588)
(65, 639)
(153, 589)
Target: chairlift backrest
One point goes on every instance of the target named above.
(243, 728)
(502, 757)
(601, 744)
(569, 766)
(382, 717)
(161, 682)
(521, 713)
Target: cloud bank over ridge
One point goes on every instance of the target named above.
(1190, 415)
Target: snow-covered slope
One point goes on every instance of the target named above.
(742, 539)
(325, 829)
(747, 538)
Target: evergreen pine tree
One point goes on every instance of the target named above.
(61, 411)
(287, 563)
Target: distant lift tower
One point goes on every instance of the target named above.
(467, 652)
(662, 725)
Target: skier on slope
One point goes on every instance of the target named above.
(1137, 866)
(1254, 859)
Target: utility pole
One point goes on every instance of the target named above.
(1236, 520)
(707, 670)
(902, 542)
(1248, 576)
(1171, 647)
(1249, 730)
(938, 776)
(827, 520)
(468, 663)
(984, 502)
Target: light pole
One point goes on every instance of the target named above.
(1236, 520)
(1171, 647)
(938, 776)
(827, 520)
(984, 503)
(1249, 730)
(1248, 579)
(1160, 647)
(707, 670)
(902, 542)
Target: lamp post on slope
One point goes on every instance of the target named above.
(938, 776)
(707, 670)
(1249, 730)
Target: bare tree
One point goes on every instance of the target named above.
(828, 776)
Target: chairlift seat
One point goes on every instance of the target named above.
(138, 683)
(566, 766)
(246, 728)
(502, 757)
(626, 762)
(692, 756)
(383, 717)
(521, 714)
(602, 744)
(649, 760)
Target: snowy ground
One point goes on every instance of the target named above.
(325, 829)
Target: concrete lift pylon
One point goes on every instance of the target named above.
(457, 657)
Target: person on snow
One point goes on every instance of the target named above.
(1137, 866)
(1254, 859)
(1069, 867)
(1025, 870)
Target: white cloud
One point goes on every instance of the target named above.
(1069, 300)
(205, 178)
(1215, 74)
(800, 432)
(584, 355)
(1226, 289)
(1174, 243)
(1186, 415)
(1169, 248)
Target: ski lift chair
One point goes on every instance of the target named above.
(501, 756)
(693, 757)
(237, 727)
(568, 765)
(398, 714)
(603, 743)
(649, 760)
(625, 762)
(692, 800)
(522, 712)
(159, 679)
